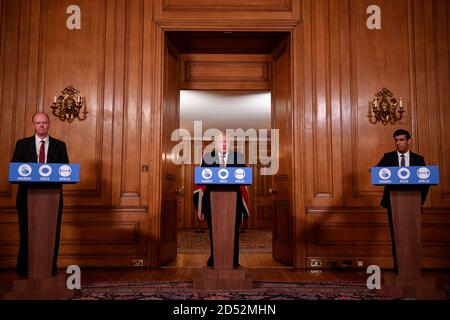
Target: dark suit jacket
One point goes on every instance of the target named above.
(390, 159)
(25, 151)
(234, 159)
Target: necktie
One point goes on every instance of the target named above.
(402, 161)
(42, 152)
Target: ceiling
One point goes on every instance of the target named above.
(226, 42)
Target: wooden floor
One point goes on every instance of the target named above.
(186, 267)
(249, 260)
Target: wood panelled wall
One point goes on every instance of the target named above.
(226, 10)
(113, 215)
(106, 214)
(225, 71)
(345, 64)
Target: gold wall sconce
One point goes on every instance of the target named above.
(68, 105)
(384, 108)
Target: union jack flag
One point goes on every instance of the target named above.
(199, 191)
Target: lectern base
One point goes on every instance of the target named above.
(40, 289)
(223, 279)
(416, 287)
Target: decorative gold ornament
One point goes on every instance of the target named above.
(68, 104)
(384, 108)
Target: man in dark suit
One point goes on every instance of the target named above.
(402, 157)
(39, 148)
(221, 156)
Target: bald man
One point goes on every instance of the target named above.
(39, 148)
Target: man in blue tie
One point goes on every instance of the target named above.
(402, 157)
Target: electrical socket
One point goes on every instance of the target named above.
(137, 262)
(316, 263)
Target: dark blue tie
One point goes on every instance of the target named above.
(402, 161)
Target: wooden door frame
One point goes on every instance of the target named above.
(155, 35)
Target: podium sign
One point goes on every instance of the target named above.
(44, 172)
(223, 175)
(405, 175)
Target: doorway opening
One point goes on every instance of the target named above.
(223, 110)
(228, 80)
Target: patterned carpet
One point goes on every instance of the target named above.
(250, 241)
(307, 290)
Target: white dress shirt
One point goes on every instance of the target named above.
(406, 158)
(38, 146)
(224, 160)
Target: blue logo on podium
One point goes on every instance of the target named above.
(219, 175)
(405, 175)
(44, 172)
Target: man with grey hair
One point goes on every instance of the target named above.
(221, 156)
